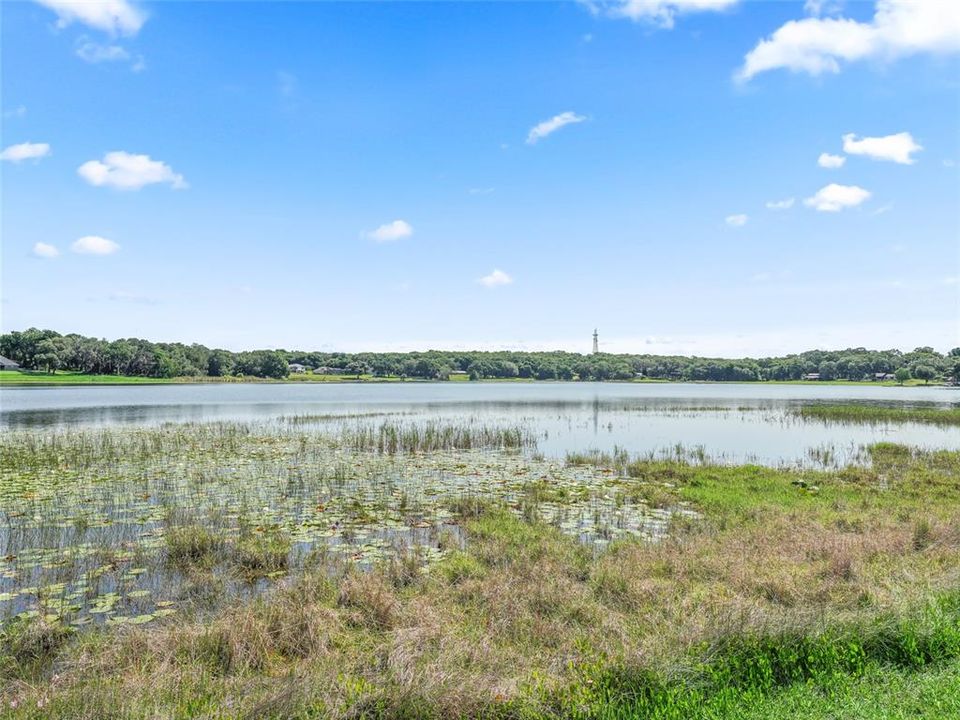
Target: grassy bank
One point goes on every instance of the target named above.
(879, 414)
(786, 593)
(23, 377)
(18, 377)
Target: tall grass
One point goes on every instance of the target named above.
(878, 414)
(392, 438)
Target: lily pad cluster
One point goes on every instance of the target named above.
(85, 514)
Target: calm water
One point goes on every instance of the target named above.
(730, 422)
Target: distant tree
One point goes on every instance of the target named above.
(358, 368)
(828, 370)
(46, 357)
(925, 373)
(274, 365)
(220, 363)
(902, 375)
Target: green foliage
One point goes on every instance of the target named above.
(47, 350)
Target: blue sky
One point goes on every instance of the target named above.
(370, 175)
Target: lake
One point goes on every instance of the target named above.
(726, 422)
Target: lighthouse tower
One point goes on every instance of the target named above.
(596, 342)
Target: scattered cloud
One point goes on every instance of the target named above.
(817, 45)
(396, 230)
(833, 197)
(125, 171)
(541, 130)
(736, 220)
(94, 245)
(25, 151)
(897, 148)
(883, 209)
(495, 279)
(822, 7)
(826, 160)
(117, 17)
(17, 112)
(42, 249)
(93, 52)
(587, 38)
(949, 163)
(662, 13)
(785, 204)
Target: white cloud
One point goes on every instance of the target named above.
(664, 12)
(17, 112)
(897, 148)
(780, 204)
(25, 151)
(129, 172)
(94, 245)
(495, 279)
(817, 45)
(92, 52)
(833, 197)
(42, 249)
(396, 230)
(737, 220)
(117, 17)
(541, 130)
(826, 160)
(822, 7)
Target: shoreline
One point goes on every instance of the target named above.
(19, 379)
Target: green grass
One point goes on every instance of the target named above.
(243, 574)
(26, 377)
(879, 414)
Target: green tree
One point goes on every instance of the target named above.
(925, 373)
(828, 370)
(902, 375)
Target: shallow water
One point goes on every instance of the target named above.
(725, 422)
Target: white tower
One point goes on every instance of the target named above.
(596, 343)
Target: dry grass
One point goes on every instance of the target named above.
(522, 609)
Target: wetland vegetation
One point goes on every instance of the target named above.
(370, 567)
(862, 413)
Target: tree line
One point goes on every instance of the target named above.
(47, 350)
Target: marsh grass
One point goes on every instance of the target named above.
(876, 414)
(392, 438)
(305, 578)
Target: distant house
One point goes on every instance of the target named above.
(297, 368)
(8, 364)
(330, 371)
(459, 372)
(810, 376)
(880, 377)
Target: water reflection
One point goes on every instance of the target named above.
(731, 423)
